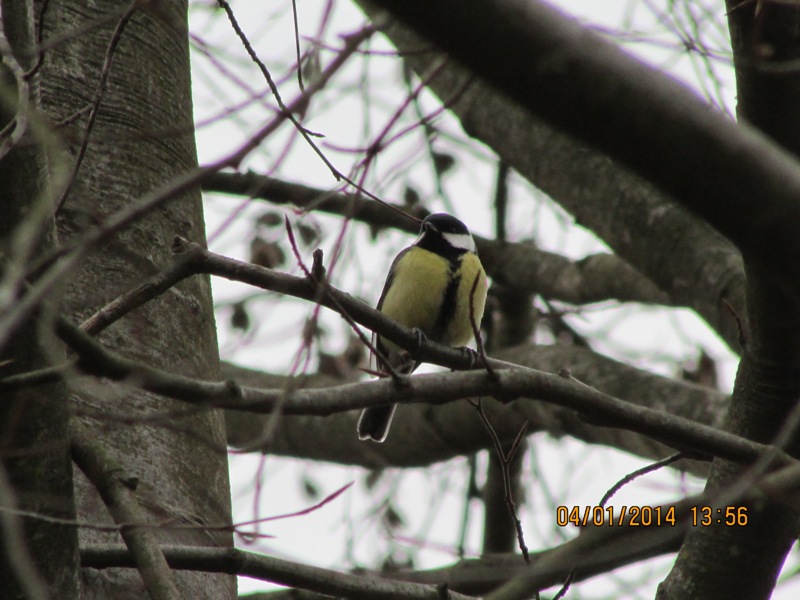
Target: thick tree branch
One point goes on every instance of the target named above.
(594, 551)
(117, 490)
(431, 434)
(196, 259)
(597, 549)
(588, 87)
(696, 266)
(268, 568)
(766, 48)
(522, 267)
(510, 382)
(279, 191)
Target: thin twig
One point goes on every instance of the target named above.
(505, 460)
(268, 77)
(39, 34)
(317, 276)
(60, 263)
(739, 324)
(181, 268)
(659, 464)
(297, 45)
(169, 524)
(288, 113)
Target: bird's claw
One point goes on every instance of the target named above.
(419, 338)
(472, 356)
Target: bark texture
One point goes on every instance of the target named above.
(141, 139)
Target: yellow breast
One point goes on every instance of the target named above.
(415, 295)
(418, 290)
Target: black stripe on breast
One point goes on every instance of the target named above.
(448, 308)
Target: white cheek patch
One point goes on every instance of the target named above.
(463, 241)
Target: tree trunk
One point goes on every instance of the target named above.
(768, 381)
(142, 138)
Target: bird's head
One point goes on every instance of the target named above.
(444, 228)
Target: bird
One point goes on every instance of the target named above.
(428, 289)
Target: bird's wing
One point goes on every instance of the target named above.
(390, 276)
(376, 339)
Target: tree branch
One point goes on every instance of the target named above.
(513, 382)
(267, 568)
(595, 92)
(432, 434)
(510, 382)
(117, 490)
(520, 266)
(700, 268)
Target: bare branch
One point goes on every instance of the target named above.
(555, 53)
(118, 492)
(506, 458)
(510, 382)
(60, 264)
(701, 268)
(268, 568)
(177, 271)
(520, 266)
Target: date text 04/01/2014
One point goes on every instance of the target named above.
(648, 516)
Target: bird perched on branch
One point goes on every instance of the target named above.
(436, 286)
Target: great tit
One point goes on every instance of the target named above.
(428, 288)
